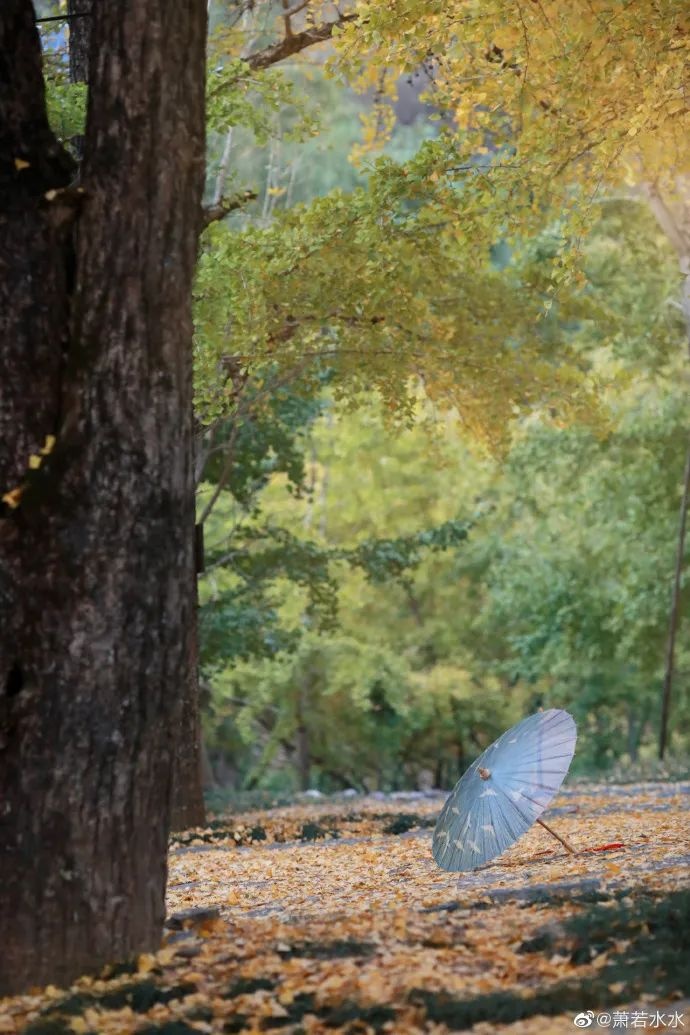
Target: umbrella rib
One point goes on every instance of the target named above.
(506, 829)
(541, 772)
(546, 755)
(478, 827)
(539, 804)
(564, 742)
(487, 820)
(527, 764)
(519, 811)
(521, 783)
(559, 718)
(506, 819)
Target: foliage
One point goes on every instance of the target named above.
(559, 595)
(253, 555)
(542, 96)
(66, 108)
(240, 96)
(380, 286)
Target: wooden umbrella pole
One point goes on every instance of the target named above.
(568, 848)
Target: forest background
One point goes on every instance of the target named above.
(440, 458)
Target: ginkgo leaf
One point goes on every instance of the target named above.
(13, 498)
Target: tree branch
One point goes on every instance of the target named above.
(212, 213)
(226, 471)
(295, 43)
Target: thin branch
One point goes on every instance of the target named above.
(666, 220)
(225, 158)
(286, 18)
(295, 9)
(237, 423)
(64, 17)
(297, 42)
(213, 213)
(223, 168)
(224, 474)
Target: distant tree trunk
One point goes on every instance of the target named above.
(302, 739)
(80, 19)
(96, 558)
(674, 616)
(208, 777)
(674, 220)
(79, 12)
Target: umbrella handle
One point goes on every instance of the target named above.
(568, 848)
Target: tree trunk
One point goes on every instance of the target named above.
(188, 808)
(674, 614)
(208, 777)
(674, 220)
(303, 757)
(80, 17)
(96, 543)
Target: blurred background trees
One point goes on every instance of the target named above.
(454, 348)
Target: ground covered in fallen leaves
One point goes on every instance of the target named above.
(332, 916)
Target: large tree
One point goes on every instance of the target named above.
(96, 480)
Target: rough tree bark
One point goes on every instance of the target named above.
(96, 543)
(79, 12)
(188, 808)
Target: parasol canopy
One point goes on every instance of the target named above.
(505, 791)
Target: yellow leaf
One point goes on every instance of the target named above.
(13, 498)
(49, 444)
(34, 461)
(193, 976)
(167, 954)
(146, 963)
(79, 1025)
(20, 164)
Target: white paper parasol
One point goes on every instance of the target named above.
(505, 791)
